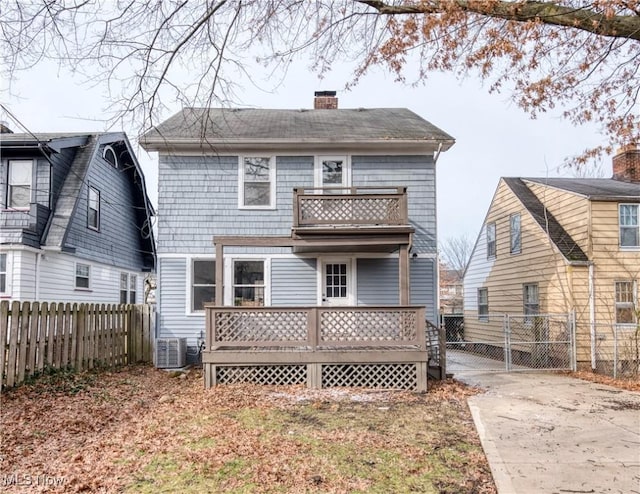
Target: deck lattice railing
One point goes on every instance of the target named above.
(350, 206)
(315, 327)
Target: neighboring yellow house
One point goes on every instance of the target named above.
(560, 245)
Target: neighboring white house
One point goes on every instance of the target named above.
(75, 223)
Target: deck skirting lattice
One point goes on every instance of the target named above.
(385, 376)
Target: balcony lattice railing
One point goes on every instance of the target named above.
(315, 328)
(350, 206)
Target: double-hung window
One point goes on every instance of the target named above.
(515, 235)
(93, 209)
(3, 273)
(248, 283)
(483, 304)
(629, 221)
(128, 290)
(257, 180)
(626, 302)
(491, 240)
(203, 283)
(83, 276)
(531, 300)
(19, 184)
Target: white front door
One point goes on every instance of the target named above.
(337, 283)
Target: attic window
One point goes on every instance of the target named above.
(110, 155)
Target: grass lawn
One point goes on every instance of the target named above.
(141, 430)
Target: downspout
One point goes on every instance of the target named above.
(592, 314)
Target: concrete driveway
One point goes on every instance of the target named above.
(548, 433)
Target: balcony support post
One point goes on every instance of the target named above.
(219, 274)
(404, 280)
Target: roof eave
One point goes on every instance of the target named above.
(200, 145)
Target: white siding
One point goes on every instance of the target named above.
(477, 272)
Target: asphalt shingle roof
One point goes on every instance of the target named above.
(558, 235)
(364, 124)
(593, 188)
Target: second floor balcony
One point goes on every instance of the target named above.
(343, 208)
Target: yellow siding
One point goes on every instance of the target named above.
(538, 262)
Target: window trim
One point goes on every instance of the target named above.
(632, 305)
(91, 189)
(88, 277)
(189, 307)
(518, 248)
(317, 169)
(9, 185)
(483, 317)
(528, 316)
(128, 278)
(272, 182)
(264, 285)
(7, 279)
(107, 148)
(620, 227)
(491, 226)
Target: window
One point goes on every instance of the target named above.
(483, 304)
(82, 276)
(93, 210)
(19, 184)
(531, 300)
(248, 283)
(110, 155)
(128, 284)
(491, 240)
(257, 183)
(3, 273)
(629, 225)
(203, 283)
(625, 302)
(514, 222)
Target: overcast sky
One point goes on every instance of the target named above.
(493, 137)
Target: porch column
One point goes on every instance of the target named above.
(219, 274)
(404, 274)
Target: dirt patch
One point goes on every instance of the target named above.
(118, 432)
(627, 384)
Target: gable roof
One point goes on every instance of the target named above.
(364, 126)
(558, 235)
(594, 189)
(87, 144)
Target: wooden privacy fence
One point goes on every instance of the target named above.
(36, 336)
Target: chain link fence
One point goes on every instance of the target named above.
(617, 352)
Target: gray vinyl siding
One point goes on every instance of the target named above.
(198, 199)
(294, 281)
(172, 302)
(417, 173)
(424, 285)
(377, 281)
(118, 240)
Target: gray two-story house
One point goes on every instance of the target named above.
(75, 220)
(266, 212)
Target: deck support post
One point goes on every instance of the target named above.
(219, 274)
(404, 274)
(314, 376)
(421, 370)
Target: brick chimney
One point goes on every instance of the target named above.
(325, 100)
(626, 164)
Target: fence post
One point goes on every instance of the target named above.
(615, 351)
(507, 343)
(22, 341)
(4, 328)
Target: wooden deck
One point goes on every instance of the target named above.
(364, 342)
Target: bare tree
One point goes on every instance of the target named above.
(456, 252)
(580, 56)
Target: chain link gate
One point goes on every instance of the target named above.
(508, 343)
